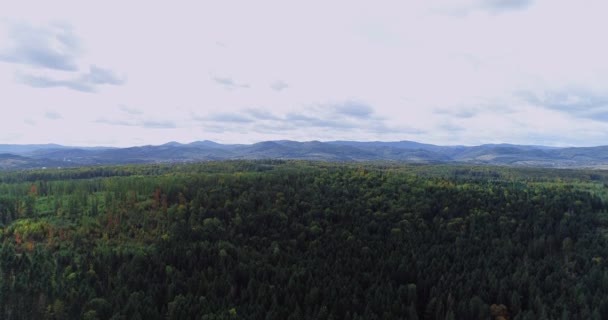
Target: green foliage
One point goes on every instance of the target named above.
(303, 240)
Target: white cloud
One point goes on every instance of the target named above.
(468, 59)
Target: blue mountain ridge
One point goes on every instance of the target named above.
(14, 157)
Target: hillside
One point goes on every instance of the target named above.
(303, 240)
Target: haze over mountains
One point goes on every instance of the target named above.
(18, 157)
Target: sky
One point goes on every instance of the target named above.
(448, 72)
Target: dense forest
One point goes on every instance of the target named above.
(303, 240)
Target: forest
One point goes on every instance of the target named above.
(278, 239)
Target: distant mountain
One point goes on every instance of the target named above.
(211, 144)
(16, 162)
(32, 148)
(25, 148)
(398, 144)
(17, 157)
(172, 144)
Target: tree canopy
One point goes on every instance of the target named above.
(278, 239)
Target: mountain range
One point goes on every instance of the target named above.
(19, 157)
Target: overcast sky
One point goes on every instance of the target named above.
(121, 73)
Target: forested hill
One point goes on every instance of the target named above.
(303, 240)
(15, 157)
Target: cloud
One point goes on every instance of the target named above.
(345, 116)
(227, 117)
(353, 109)
(261, 114)
(87, 82)
(570, 100)
(149, 124)
(98, 76)
(53, 46)
(273, 128)
(458, 113)
(382, 128)
(279, 85)
(229, 83)
(225, 81)
(477, 109)
(346, 119)
(448, 126)
(48, 82)
(114, 122)
(130, 110)
(465, 7)
(322, 121)
(294, 116)
(302, 120)
(500, 5)
(577, 102)
(159, 124)
(52, 115)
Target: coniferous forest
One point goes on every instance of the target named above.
(303, 240)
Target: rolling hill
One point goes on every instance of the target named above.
(17, 157)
